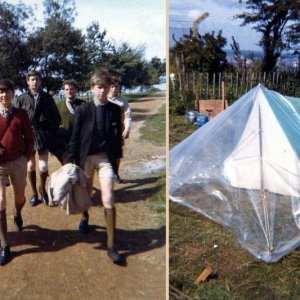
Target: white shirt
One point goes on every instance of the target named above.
(126, 111)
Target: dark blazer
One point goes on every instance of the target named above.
(44, 118)
(83, 129)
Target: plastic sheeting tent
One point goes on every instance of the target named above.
(242, 170)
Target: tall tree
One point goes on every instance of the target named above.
(276, 20)
(201, 52)
(60, 10)
(15, 57)
(58, 47)
(159, 65)
(97, 47)
(129, 64)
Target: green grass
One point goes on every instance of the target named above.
(154, 129)
(158, 199)
(179, 129)
(237, 274)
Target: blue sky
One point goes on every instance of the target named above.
(221, 13)
(138, 22)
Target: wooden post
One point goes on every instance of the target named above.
(219, 89)
(214, 81)
(223, 94)
(197, 101)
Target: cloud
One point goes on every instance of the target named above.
(128, 21)
(221, 17)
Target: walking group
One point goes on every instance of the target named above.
(88, 134)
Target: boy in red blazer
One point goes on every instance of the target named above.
(16, 146)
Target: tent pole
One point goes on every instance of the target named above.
(262, 187)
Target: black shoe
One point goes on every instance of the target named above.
(113, 254)
(44, 197)
(84, 227)
(118, 179)
(4, 255)
(18, 221)
(34, 201)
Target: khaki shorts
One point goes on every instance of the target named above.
(100, 163)
(14, 171)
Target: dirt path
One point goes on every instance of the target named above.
(51, 260)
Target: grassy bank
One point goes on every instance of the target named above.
(154, 131)
(196, 242)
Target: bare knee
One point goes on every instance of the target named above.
(107, 199)
(31, 165)
(43, 166)
(43, 161)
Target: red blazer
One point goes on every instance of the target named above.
(17, 139)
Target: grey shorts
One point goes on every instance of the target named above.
(14, 171)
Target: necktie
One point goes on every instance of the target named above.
(5, 113)
(72, 103)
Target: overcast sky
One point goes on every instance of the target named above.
(137, 22)
(221, 13)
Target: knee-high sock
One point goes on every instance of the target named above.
(85, 215)
(32, 179)
(18, 208)
(43, 178)
(3, 228)
(110, 218)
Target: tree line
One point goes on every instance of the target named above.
(60, 51)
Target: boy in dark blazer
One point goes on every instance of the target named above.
(45, 119)
(95, 143)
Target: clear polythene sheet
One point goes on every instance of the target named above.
(242, 170)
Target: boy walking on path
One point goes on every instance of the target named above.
(115, 97)
(45, 119)
(16, 146)
(67, 110)
(95, 143)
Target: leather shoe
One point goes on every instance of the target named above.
(84, 227)
(113, 254)
(18, 221)
(34, 201)
(4, 255)
(118, 179)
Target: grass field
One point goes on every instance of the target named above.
(154, 131)
(196, 242)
